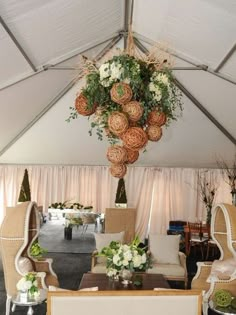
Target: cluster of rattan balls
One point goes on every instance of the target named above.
(124, 125)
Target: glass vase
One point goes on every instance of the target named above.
(126, 276)
(23, 296)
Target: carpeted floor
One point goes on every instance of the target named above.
(54, 230)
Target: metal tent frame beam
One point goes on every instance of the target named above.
(100, 55)
(195, 101)
(177, 55)
(226, 58)
(20, 48)
(53, 66)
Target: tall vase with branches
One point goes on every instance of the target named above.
(208, 190)
(229, 175)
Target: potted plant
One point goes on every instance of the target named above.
(37, 251)
(25, 194)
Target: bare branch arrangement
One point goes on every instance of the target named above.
(207, 192)
(228, 173)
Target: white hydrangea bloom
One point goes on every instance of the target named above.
(111, 272)
(152, 87)
(127, 80)
(158, 95)
(144, 258)
(116, 71)
(137, 260)
(128, 255)
(162, 78)
(125, 248)
(125, 262)
(23, 285)
(116, 260)
(106, 82)
(104, 71)
(156, 90)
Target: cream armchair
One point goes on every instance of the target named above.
(220, 274)
(19, 229)
(98, 263)
(166, 257)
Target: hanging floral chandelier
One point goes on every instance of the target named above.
(129, 100)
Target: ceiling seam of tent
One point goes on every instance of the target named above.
(177, 55)
(18, 45)
(226, 58)
(196, 102)
(100, 55)
(50, 66)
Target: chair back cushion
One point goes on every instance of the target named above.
(25, 265)
(164, 248)
(104, 239)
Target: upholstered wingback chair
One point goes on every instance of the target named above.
(19, 229)
(219, 274)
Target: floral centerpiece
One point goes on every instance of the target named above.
(129, 99)
(122, 257)
(28, 284)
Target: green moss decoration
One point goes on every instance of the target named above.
(121, 193)
(25, 194)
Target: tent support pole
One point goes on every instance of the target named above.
(128, 18)
(59, 96)
(19, 47)
(195, 101)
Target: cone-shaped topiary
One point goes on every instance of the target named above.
(25, 189)
(120, 192)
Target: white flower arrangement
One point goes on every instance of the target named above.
(29, 284)
(131, 257)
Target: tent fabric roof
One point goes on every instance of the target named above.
(40, 42)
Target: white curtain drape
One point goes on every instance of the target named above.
(159, 195)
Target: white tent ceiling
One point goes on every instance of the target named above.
(39, 46)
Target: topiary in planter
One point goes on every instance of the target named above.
(25, 194)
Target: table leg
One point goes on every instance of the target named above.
(30, 311)
(13, 307)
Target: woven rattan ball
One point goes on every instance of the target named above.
(134, 138)
(118, 123)
(121, 93)
(118, 170)
(117, 154)
(134, 110)
(154, 132)
(82, 107)
(132, 156)
(156, 118)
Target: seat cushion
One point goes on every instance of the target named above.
(164, 248)
(168, 270)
